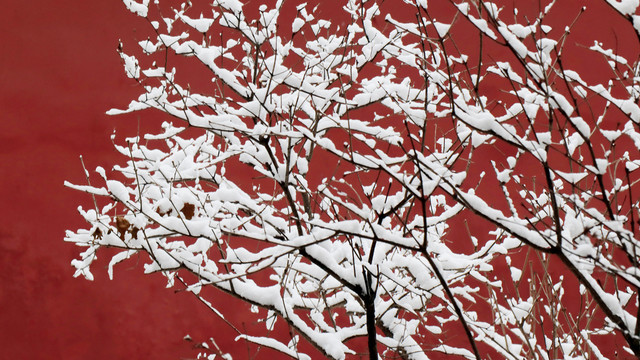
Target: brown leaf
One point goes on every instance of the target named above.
(163, 213)
(134, 231)
(122, 225)
(188, 210)
(97, 234)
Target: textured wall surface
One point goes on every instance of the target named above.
(59, 73)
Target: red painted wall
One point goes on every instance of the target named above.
(59, 73)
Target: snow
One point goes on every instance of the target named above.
(572, 178)
(611, 135)
(521, 31)
(516, 274)
(441, 28)
(139, 9)
(234, 6)
(131, 66)
(636, 23)
(87, 189)
(118, 190)
(297, 25)
(201, 25)
(625, 7)
(276, 345)
(455, 351)
(517, 45)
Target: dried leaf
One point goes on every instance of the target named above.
(188, 210)
(122, 225)
(134, 231)
(97, 234)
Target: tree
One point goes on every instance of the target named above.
(365, 179)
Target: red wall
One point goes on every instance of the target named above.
(59, 73)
